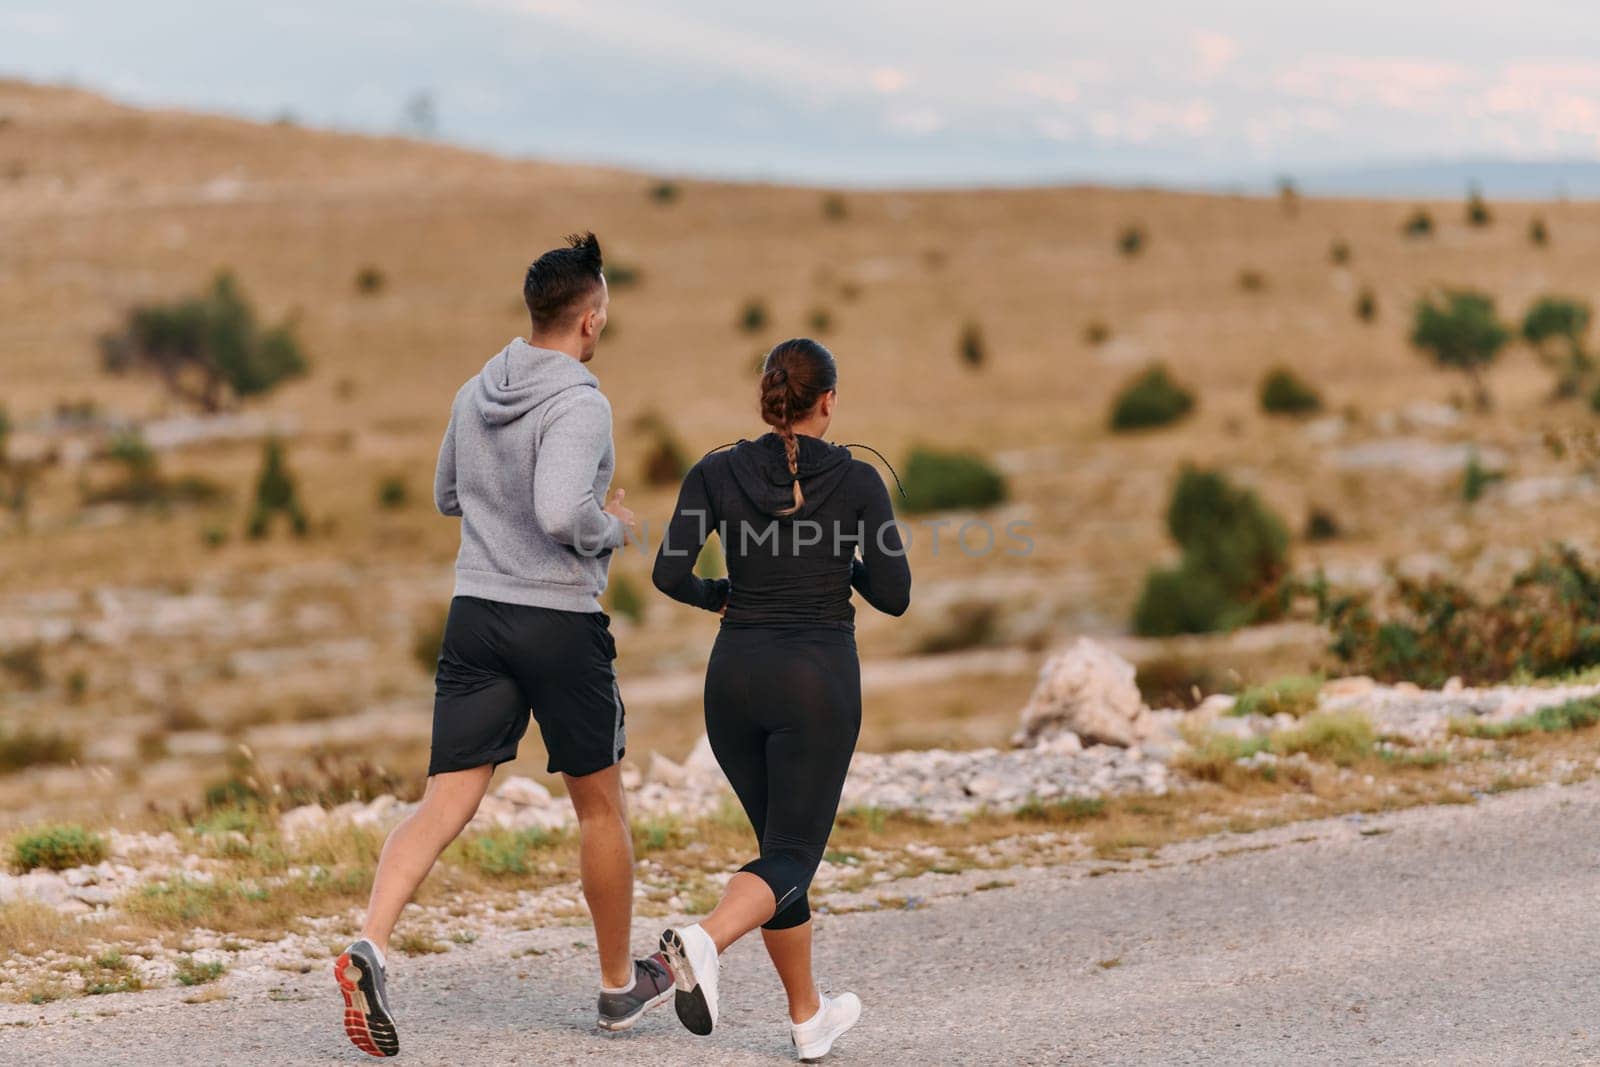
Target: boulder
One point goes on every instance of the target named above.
(524, 791)
(1089, 690)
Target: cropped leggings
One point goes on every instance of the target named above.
(783, 708)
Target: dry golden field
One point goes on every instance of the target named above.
(162, 654)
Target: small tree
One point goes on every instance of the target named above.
(971, 345)
(1152, 399)
(206, 347)
(275, 494)
(1555, 326)
(1478, 213)
(1460, 329)
(1284, 393)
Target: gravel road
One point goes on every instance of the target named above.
(1452, 935)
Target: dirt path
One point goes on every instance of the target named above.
(1452, 935)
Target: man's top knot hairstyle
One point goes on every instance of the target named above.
(561, 279)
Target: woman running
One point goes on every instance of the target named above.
(783, 688)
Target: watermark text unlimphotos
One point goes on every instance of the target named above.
(975, 538)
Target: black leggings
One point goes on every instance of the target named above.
(783, 708)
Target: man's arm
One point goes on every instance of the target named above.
(444, 475)
(564, 502)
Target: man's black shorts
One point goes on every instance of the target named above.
(501, 661)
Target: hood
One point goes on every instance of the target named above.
(762, 471)
(522, 377)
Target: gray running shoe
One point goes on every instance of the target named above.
(652, 985)
(367, 1021)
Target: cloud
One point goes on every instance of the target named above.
(889, 80)
(1214, 53)
(1404, 84)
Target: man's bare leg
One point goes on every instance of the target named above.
(606, 864)
(413, 847)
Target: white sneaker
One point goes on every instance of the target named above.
(692, 958)
(814, 1038)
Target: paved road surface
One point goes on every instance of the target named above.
(1454, 935)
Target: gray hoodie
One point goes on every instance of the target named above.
(526, 462)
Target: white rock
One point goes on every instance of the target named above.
(1087, 689)
(297, 821)
(666, 772)
(524, 791)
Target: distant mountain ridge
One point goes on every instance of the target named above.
(1577, 179)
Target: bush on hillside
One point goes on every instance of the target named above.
(971, 345)
(1477, 209)
(276, 494)
(664, 192)
(665, 462)
(1556, 327)
(56, 848)
(1096, 332)
(834, 207)
(1251, 280)
(820, 321)
(370, 281)
(1131, 241)
(1538, 232)
(1546, 623)
(1152, 399)
(205, 348)
(753, 316)
(1366, 305)
(1235, 554)
(1284, 393)
(624, 598)
(944, 481)
(1418, 224)
(1461, 330)
(1339, 253)
(392, 492)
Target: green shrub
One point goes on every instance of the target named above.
(204, 348)
(1546, 623)
(192, 972)
(623, 275)
(392, 492)
(1064, 812)
(28, 747)
(1321, 525)
(1367, 305)
(1556, 327)
(370, 281)
(1538, 232)
(1251, 280)
(945, 481)
(23, 665)
(1418, 224)
(1235, 552)
(1292, 695)
(665, 462)
(625, 598)
(971, 345)
(664, 192)
(1577, 714)
(275, 494)
(1150, 400)
(820, 320)
(1461, 330)
(1477, 478)
(1284, 393)
(1096, 332)
(1339, 253)
(499, 853)
(709, 563)
(56, 848)
(1132, 240)
(834, 207)
(1341, 738)
(656, 833)
(1477, 210)
(753, 316)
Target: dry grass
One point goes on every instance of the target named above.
(27, 928)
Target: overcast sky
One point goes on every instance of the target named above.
(870, 91)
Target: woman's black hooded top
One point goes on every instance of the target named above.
(786, 570)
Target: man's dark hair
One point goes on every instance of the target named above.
(560, 279)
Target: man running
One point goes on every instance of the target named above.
(526, 462)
